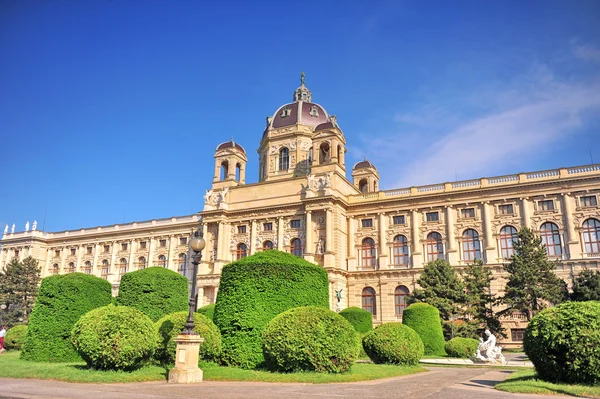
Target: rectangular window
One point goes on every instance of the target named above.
(143, 244)
(516, 334)
(399, 219)
(107, 248)
(506, 209)
(546, 205)
(57, 253)
(268, 226)
(467, 213)
(73, 251)
(241, 229)
(89, 250)
(183, 241)
(589, 200)
(124, 247)
(16, 253)
(367, 222)
(295, 224)
(432, 216)
(163, 243)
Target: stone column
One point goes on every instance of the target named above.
(572, 240)
(351, 250)
(63, 255)
(416, 239)
(151, 249)
(490, 244)
(131, 256)
(95, 269)
(78, 265)
(383, 249)
(171, 253)
(222, 248)
(525, 212)
(280, 242)
(451, 239)
(113, 255)
(252, 237)
(329, 258)
(203, 267)
(309, 248)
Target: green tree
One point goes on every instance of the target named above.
(19, 283)
(586, 286)
(478, 297)
(531, 279)
(440, 287)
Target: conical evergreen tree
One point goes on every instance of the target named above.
(478, 296)
(19, 283)
(586, 286)
(531, 281)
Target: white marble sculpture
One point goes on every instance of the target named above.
(6, 229)
(488, 352)
(208, 196)
(309, 182)
(27, 226)
(12, 230)
(34, 227)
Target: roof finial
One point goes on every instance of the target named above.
(302, 77)
(232, 142)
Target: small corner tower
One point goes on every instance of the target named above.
(365, 177)
(230, 165)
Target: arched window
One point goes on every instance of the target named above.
(141, 263)
(400, 249)
(122, 267)
(267, 245)
(162, 261)
(238, 169)
(367, 253)
(105, 269)
(71, 268)
(508, 234)
(241, 251)
(55, 269)
(591, 236)
(224, 170)
(296, 247)
(369, 300)
(363, 186)
(551, 238)
(87, 268)
(435, 247)
(340, 154)
(324, 156)
(400, 294)
(471, 245)
(182, 264)
(284, 159)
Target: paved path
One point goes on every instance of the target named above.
(438, 383)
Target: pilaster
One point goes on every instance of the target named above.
(451, 239)
(280, 233)
(309, 251)
(383, 252)
(526, 212)
(351, 253)
(416, 249)
(572, 241)
(252, 237)
(329, 258)
(489, 247)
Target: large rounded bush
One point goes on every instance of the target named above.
(461, 347)
(309, 338)
(62, 299)
(393, 343)
(425, 320)
(173, 324)
(257, 288)
(115, 338)
(361, 320)
(563, 343)
(155, 291)
(15, 337)
(208, 311)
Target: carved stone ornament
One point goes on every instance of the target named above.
(305, 145)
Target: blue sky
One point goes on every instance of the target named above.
(110, 111)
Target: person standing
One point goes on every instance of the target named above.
(2, 334)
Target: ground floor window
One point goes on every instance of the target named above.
(516, 334)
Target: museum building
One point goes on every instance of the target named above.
(373, 243)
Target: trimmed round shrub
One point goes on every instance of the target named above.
(115, 338)
(15, 337)
(155, 291)
(461, 347)
(310, 338)
(61, 301)
(173, 324)
(563, 343)
(361, 320)
(255, 289)
(393, 343)
(425, 320)
(208, 311)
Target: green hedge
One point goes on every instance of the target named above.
(155, 291)
(173, 324)
(255, 289)
(361, 320)
(461, 347)
(425, 320)
(115, 338)
(15, 337)
(393, 343)
(563, 343)
(309, 338)
(208, 311)
(61, 301)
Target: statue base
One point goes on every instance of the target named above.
(186, 370)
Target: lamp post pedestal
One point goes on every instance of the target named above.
(186, 370)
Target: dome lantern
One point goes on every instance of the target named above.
(302, 93)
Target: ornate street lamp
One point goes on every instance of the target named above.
(197, 244)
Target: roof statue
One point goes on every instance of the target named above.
(302, 78)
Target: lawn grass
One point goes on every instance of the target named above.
(13, 367)
(525, 381)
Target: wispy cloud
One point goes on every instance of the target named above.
(586, 52)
